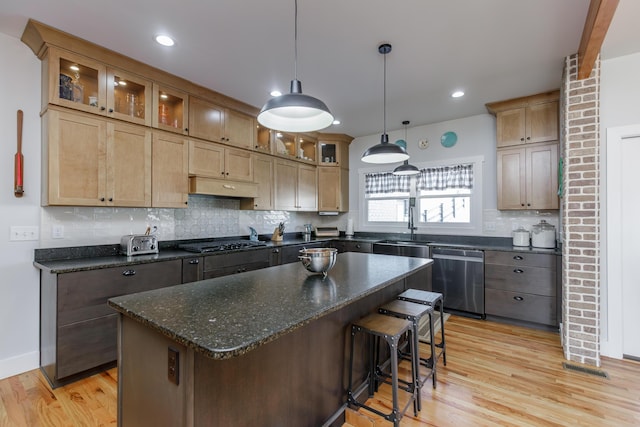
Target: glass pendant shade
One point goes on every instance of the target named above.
(295, 112)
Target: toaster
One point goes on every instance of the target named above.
(138, 244)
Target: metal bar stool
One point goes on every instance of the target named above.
(435, 300)
(390, 329)
(413, 313)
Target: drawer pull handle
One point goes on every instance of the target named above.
(518, 270)
(518, 298)
(194, 261)
(229, 187)
(518, 257)
(128, 273)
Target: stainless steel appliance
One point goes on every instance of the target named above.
(459, 275)
(138, 244)
(222, 245)
(402, 248)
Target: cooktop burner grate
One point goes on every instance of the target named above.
(223, 245)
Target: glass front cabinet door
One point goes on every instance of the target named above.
(171, 109)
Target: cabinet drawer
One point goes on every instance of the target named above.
(533, 280)
(214, 262)
(521, 306)
(85, 345)
(192, 269)
(520, 259)
(83, 295)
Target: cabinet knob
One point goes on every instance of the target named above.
(194, 261)
(102, 108)
(521, 204)
(111, 110)
(518, 298)
(521, 139)
(518, 258)
(186, 129)
(528, 138)
(129, 273)
(111, 199)
(528, 204)
(518, 271)
(276, 251)
(102, 199)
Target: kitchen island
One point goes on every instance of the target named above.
(265, 347)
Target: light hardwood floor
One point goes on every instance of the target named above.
(496, 374)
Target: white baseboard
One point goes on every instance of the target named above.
(19, 364)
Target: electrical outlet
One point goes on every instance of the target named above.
(57, 231)
(173, 366)
(489, 226)
(22, 233)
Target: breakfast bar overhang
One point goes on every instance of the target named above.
(266, 347)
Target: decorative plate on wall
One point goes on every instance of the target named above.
(448, 139)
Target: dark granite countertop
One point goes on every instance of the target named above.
(105, 256)
(229, 316)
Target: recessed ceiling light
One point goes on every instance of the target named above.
(275, 93)
(165, 40)
(336, 122)
(457, 94)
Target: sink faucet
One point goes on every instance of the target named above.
(411, 227)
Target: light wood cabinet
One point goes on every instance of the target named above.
(333, 189)
(333, 150)
(528, 177)
(171, 109)
(81, 83)
(263, 177)
(296, 186)
(215, 123)
(527, 120)
(298, 146)
(263, 139)
(521, 286)
(217, 161)
(89, 161)
(170, 171)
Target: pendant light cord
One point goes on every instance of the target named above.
(295, 40)
(384, 97)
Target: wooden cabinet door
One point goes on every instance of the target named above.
(286, 185)
(307, 188)
(239, 129)
(129, 97)
(170, 109)
(128, 165)
(511, 178)
(75, 158)
(238, 165)
(511, 127)
(263, 173)
(329, 196)
(206, 159)
(206, 120)
(542, 176)
(542, 122)
(170, 176)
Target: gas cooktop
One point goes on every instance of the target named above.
(217, 246)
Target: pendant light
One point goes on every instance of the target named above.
(405, 168)
(385, 152)
(295, 112)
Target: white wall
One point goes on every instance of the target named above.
(476, 138)
(19, 285)
(619, 106)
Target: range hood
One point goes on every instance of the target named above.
(221, 187)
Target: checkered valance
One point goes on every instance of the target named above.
(445, 177)
(386, 182)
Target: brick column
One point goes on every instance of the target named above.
(580, 207)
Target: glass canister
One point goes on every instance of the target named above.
(543, 235)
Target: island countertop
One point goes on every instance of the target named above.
(229, 316)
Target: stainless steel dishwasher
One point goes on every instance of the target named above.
(459, 275)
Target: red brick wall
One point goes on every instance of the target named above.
(580, 214)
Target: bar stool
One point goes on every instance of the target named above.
(435, 300)
(390, 329)
(413, 313)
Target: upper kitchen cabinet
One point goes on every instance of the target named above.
(213, 160)
(90, 161)
(333, 150)
(526, 120)
(333, 189)
(215, 123)
(170, 171)
(295, 186)
(263, 177)
(84, 84)
(172, 109)
(263, 139)
(296, 146)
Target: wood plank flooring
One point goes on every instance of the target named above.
(496, 374)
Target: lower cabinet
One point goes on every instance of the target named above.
(289, 254)
(343, 246)
(522, 286)
(77, 327)
(237, 262)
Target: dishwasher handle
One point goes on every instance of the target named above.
(457, 258)
(470, 255)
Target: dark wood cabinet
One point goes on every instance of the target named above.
(77, 327)
(289, 254)
(192, 269)
(237, 262)
(522, 286)
(345, 246)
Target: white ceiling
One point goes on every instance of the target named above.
(491, 49)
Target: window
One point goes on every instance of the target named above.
(446, 198)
